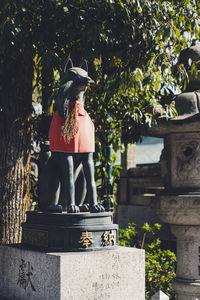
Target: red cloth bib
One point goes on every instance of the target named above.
(84, 139)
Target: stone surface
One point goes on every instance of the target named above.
(178, 208)
(179, 205)
(188, 252)
(69, 232)
(127, 162)
(159, 296)
(187, 290)
(128, 158)
(110, 275)
(173, 126)
(184, 160)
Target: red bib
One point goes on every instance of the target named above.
(84, 139)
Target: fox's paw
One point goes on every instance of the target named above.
(96, 208)
(84, 207)
(73, 209)
(54, 208)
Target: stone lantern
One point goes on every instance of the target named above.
(179, 203)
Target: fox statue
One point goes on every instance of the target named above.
(68, 170)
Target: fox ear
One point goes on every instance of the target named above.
(84, 65)
(67, 65)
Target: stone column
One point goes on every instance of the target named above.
(179, 205)
(128, 161)
(187, 283)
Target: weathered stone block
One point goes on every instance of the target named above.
(111, 275)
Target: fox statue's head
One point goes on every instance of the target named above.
(77, 76)
(74, 83)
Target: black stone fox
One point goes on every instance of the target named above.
(66, 177)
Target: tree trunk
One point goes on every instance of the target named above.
(14, 184)
(15, 133)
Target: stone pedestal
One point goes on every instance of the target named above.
(110, 275)
(69, 232)
(182, 211)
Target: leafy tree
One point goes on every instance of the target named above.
(159, 263)
(132, 49)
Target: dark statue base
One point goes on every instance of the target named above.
(69, 232)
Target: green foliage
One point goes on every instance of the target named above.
(159, 263)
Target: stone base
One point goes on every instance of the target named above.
(110, 275)
(69, 232)
(187, 289)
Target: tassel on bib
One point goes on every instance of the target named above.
(70, 127)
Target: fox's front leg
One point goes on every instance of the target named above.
(88, 167)
(66, 168)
